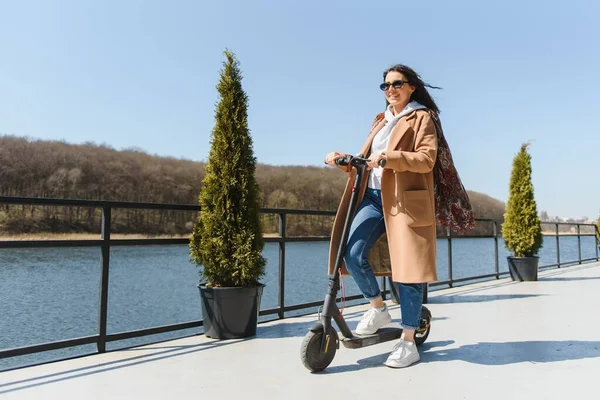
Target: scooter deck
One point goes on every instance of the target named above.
(383, 335)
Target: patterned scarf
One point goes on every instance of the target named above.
(452, 205)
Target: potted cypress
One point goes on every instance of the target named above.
(227, 241)
(522, 230)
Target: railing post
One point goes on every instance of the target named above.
(383, 287)
(579, 242)
(281, 297)
(105, 263)
(557, 248)
(448, 235)
(597, 241)
(496, 260)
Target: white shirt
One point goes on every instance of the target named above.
(381, 139)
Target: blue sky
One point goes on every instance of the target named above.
(135, 73)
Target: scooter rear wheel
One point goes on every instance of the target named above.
(310, 351)
(422, 333)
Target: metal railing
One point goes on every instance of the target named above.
(106, 242)
(496, 235)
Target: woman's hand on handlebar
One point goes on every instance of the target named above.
(375, 160)
(331, 157)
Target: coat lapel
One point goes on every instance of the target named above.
(399, 130)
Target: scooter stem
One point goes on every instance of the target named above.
(349, 217)
(330, 309)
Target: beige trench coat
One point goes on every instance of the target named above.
(407, 251)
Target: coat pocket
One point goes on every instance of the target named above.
(417, 208)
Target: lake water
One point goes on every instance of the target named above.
(53, 294)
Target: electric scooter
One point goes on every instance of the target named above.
(321, 342)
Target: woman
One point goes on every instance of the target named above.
(397, 205)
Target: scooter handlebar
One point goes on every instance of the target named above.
(356, 161)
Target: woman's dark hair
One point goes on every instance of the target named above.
(420, 94)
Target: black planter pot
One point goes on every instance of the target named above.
(523, 268)
(230, 312)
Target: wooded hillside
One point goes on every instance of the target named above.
(35, 168)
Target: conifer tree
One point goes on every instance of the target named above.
(227, 239)
(522, 230)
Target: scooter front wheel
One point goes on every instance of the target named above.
(312, 357)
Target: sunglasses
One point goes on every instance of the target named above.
(396, 85)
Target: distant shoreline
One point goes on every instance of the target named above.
(93, 236)
(133, 236)
(553, 233)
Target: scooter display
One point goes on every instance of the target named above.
(321, 342)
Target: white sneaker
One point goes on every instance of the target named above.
(404, 354)
(373, 320)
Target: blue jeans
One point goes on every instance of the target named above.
(368, 225)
